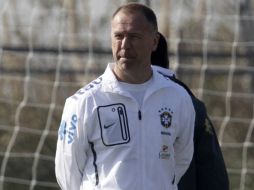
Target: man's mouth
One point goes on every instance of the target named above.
(125, 56)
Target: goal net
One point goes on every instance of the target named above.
(50, 48)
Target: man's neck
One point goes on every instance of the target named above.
(133, 77)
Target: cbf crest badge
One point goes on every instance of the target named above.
(165, 117)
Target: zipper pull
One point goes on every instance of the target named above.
(139, 115)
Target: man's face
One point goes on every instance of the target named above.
(133, 40)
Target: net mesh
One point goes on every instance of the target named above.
(49, 49)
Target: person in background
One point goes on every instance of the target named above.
(207, 170)
(119, 132)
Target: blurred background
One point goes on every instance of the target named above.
(51, 48)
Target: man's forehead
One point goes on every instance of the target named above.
(126, 17)
(130, 21)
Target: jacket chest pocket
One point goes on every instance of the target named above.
(113, 124)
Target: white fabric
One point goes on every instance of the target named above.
(136, 90)
(163, 71)
(105, 143)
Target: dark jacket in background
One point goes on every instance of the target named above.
(207, 170)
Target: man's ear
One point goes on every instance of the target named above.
(156, 41)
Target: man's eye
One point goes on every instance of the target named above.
(134, 37)
(118, 36)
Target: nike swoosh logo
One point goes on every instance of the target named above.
(108, 126)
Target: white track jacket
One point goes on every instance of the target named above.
(107, 141)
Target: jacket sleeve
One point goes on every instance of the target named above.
(211, 169)
(207, 169)
(70, 151)
(183, 145)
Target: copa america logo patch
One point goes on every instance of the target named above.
(165, 117)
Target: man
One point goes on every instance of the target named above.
(120, 132)
(207, 169)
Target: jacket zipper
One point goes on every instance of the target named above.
(139, 115)
(140, 151)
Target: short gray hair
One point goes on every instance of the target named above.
(136, 7)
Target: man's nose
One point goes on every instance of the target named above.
(126, 43)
